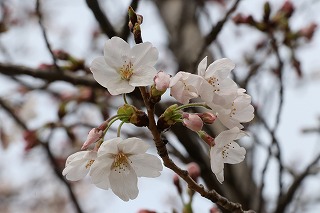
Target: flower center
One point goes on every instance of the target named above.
(90, 162)
(126, 71)
(233, 110)
(120, 163)
(215, 83)
(225, 150)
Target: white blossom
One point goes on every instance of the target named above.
(218, 87)
(123, 68)
(226, 150)
(120, 163)
(239, 111)
(184, 86)
(78, 165)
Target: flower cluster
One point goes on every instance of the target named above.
(117, 164)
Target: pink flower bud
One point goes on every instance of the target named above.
(194, 171)
(308, 31)
(287, 8)
(93, 136)
(145, 211)
(162, 81)
(214, 210)
(176, 182)
(207, 117)
(192, 121)
(206, 138)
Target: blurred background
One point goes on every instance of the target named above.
(49, 100)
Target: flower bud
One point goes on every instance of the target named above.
(207, 117)
(145, 211)
(61, 54)
(176, 182)
(192, 121)
(162, 81)
(308, 31)
(214, 210)
(169, 118)
(287, 9)
(94, 135)
(194, 171)
(130, 114)
(206, 138)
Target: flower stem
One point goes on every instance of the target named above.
(119, 129)
(193, 105)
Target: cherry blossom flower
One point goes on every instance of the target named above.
(78, 165)
(184, 86)
(120, 163)
(239, 111)
(226, 150)
(123, 68)
(216, 76)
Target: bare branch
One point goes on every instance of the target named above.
(44, 33)
(54, 163)
(101, 18)
(50, 76)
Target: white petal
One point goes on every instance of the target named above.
(220, 68)
(146, 165)
(216, 160)
(115, 50)
(75, 156)
(143, 76)
(100, 170)
(124, 184)
(220, 176)
(236, 154)
(103, 184)
(75, 173)
(202, 66)
(110, 146)
(103, 74)
(144, 54)
(119, 86)
(133, 146)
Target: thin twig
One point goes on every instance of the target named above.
(216, 29)
(288, 197)
(44, 33)
(15, 70)
(56, 169)
(101, 18)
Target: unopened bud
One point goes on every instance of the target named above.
(207, 117)
(61, 54)
(170, 116)
(287, 8)
(192, 121)
(176, 182)
(94, 135)
(308, 31)
(206, 138)
(194, 171)
(214, 210)
(146, 211)
(243, 19)
(162, 81)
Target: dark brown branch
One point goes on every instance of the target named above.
(50, 76)
(288, 197)
(57, 171)
(163, 153)
(44, 33)
(101, 18)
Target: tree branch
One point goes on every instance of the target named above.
(50, 76)
(101, 18)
